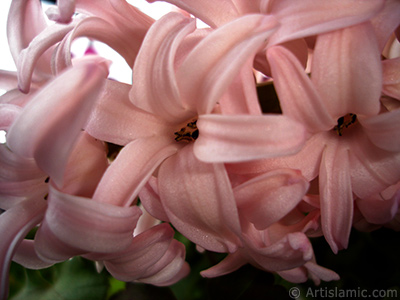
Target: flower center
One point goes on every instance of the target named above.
(344, 122)
(188, 133)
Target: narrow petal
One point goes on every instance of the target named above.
(132, 168)
(150, 198)
(345, 82)
(384, 130)
(15, 224)
(211, 66)
(155, 87)
(44, 129)
(336, 196)
(199, 201)
(237, 138)
(307, 18)
(266, 199)
(297, 96)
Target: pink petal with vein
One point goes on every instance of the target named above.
(44, 129)
(237, 138)
(345, 82)
(211, 66)
(266, 199)
(27, 257)
(150, 198)
(336, 195)
(199, 201)
(131, 169)
(228, 265)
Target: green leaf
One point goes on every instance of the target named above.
(76, 279)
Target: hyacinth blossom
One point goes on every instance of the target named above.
(195, 146)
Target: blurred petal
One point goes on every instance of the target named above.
(29, 56)
(308, 17)
(15, 224)
(371, 164)
(384, 130)
(214, 13)
(336, 195)
(63, 12)
(199, 201)
(266, 199)
(25, 21)
(44, 129)
(27, 257)
(377, 210)
(391, 77)
(345, 82)
(211, 66)
(236, 138)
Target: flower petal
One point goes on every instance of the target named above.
(238, 138)
(15, 223)
(336, 195)
(211, 66)
(266, 199)
(391, 77)
(297, 95)
(228, 265)
(63, 12)
(308, 17)
(131, 169)
(199, 202)
(384, 130)
(345, 82)
(83, 224)
(44, 129)
(155, 88)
